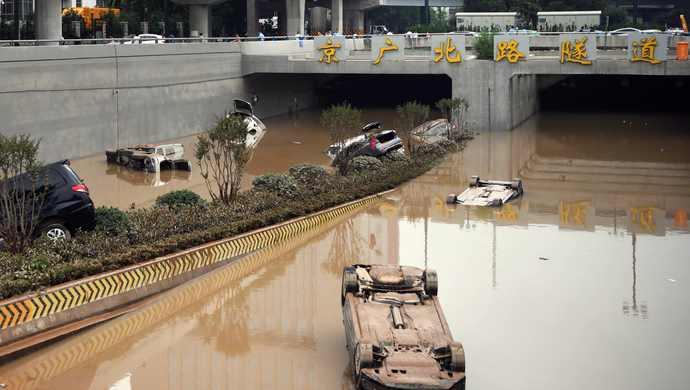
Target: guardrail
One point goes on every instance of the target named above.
(540, 43)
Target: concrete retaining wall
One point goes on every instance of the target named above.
(81, 100)
(70, 302)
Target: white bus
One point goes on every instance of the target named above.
(568, 20)
(475, 21)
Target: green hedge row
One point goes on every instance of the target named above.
(126, 238)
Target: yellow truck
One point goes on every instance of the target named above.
(90, 14)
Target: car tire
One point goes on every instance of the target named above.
(516, 185)
(474, 181)
(457, 357)
(364, 357)
(451, 199)
(349, 282)
(496, 203)
(55, 232)
(430, 282)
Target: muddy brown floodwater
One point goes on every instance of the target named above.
(583, 283)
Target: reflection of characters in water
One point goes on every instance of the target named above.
(347, 248)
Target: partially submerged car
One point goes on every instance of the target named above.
(150, 158)
(397, 335)
(434, 130)
(487, 192)
(373, 142)
(255, 128)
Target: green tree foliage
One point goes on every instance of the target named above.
(68, 17)
(21, 197)
(484, 6)
(343, 122)
(28, 30)
(616, 14)
(455, 112)
(484, 45)
(396, 19)
(222, 154)
(410, 116)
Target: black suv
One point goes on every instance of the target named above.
(67, 205)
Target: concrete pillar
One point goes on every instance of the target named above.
(49, 21)
(353, 20)
(144, 27)
(295, 17)
(209, 33)
(282, 21)
(319, 18)
(180, 30)
(198, 18)
(337, 15)
(125, 28)
(253, 18)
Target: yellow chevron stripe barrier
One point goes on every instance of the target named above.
(46, 367)
(15, 312)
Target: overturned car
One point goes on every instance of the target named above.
(373, 142)
(255, 128)
(487, 192)
(150, 158)
(397, 335)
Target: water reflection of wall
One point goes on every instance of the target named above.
(574, 194)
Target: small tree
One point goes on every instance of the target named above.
(21, 196)
(412, 115)
(455, 112)
(343, 122)
(484, 45)
(222, 154)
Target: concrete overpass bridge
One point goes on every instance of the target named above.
(83, 99)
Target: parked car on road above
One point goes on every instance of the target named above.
(625, 31)
(145, 39)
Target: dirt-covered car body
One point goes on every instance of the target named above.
(255, 128)
(488, 192)
(373, 142)
(150, 158)
(434, 130)
(397, 335)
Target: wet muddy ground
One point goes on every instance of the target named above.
(583, 283)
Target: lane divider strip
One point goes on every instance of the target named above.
(17, 311)
(53, 363)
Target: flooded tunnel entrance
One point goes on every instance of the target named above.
(616, 93)
(384, 90)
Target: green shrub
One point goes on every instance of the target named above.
(279, 184)
(484, 45)
(433, 148)
(447, 145)
(161, 231)
(113, 220)
(178, 199)
(365, 164)
(313, 178)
